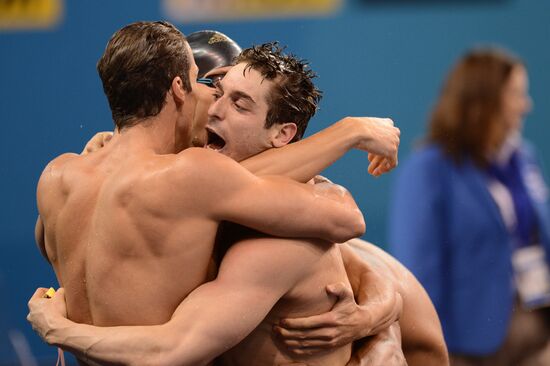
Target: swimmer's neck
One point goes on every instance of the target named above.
(148, 134)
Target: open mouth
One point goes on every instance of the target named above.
(215, 141)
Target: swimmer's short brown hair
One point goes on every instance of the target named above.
(294, 97)
(137, 69)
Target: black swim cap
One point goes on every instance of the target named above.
(212, 49)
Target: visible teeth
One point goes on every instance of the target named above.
(212, 148)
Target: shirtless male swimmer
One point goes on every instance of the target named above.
(240, 255)
(373, 316)
(121, 224)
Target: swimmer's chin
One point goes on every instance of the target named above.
(198, 143)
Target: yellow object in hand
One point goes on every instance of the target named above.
(49, 294)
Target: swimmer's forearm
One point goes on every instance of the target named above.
(197, 333)
(183, 341)
(272, 204)
(303, 160)
(127, 345)
(333, 210)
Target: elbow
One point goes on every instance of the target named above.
(353, 227)
(358, 225)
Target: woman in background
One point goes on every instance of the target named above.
(471, 217)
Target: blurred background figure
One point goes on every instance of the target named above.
(470, 216)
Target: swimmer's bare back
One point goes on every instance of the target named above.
(130, 232)
(117, 243)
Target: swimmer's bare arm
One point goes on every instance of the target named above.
(96, 142)
(384, 348)
(422, 336)
(304, 159)
(370, 286)
(39, 237)
(47, 191)
(268, 204)
(250, 273)
(326, 212)
(378, 306)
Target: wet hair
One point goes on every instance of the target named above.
(212, 49)
(294, 97)
(467, 118)
(137, 69)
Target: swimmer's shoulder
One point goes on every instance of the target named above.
(371, 252)
(189, 179)
(201, 156)
(52, 183)
(61, 162)
(210, 164)
(56, 168)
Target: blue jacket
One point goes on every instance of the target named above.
(446, 228)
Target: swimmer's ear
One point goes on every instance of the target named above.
(177, 89)
(283, 134)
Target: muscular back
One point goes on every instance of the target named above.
(123, 250)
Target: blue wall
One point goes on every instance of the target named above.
(382, 58)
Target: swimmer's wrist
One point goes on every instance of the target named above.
(59, 329)
(353, 132)
(357, 132)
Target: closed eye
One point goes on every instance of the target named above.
(239, 107)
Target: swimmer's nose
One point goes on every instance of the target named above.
(216, 110)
